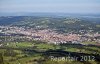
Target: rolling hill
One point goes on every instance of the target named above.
(64, 24)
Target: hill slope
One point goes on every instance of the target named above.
(63, 24)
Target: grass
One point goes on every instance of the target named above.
(82, 49)
(2, 50)
(22, 60)
(72, 49)
(19, 44)
(89, 42)
(44, 46)
(25, 60)
(29, 59)
(18, 51)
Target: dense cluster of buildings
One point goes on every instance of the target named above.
(47, 35)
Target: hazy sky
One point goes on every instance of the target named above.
(66, 6)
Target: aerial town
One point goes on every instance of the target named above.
(46, 35)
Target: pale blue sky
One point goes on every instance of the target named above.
(63, 6)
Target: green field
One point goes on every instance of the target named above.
(19, 44)
(14, 53)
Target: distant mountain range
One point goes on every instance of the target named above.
(49, 14)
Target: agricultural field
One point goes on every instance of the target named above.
(33, 53)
